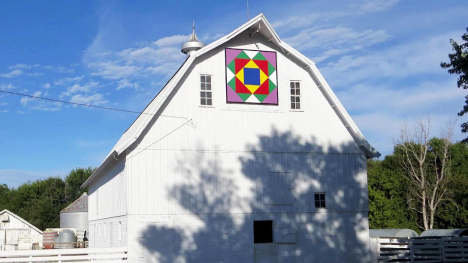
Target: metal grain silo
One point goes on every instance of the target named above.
(76, 214)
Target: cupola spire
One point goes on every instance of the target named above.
(193, 44)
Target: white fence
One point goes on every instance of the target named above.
(66, 255)
(444, 249)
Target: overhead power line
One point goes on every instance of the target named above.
(85, 105)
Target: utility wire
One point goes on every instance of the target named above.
(158, 140)
(85, 105)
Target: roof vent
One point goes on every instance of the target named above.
(193, 44)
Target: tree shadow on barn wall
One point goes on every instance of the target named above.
(222, 193)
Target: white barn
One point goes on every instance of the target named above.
(211, 173)
(17, 233)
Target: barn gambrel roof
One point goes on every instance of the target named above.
(258, 24)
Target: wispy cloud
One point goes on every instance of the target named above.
(64, 81)
(305, 20)
(12, 74)
(20, 66)
(125, 83)
(112, 70)
(46, 86)
(77, 88)
(94, 99)
(338, 40)
(409, 59)
(171, 40)
(41, 105)
(8, 86)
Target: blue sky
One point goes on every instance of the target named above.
(380, 57)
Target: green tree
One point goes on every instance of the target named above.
(459, 65)
(388, 207)
(74, 180)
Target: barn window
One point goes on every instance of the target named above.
(205, 90)
(263, 232)
(320, 200)
(295, 95)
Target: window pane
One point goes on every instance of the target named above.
(292, 99)
(202, 94)
(202, 85)
(298, 99)
(208, 79)
(317, 204)
(297, 85)
(292, 85)
(208, 86)
(203, 101)
(292, 105)
(298, 92)
(208, 95)
(298, 105)
(208, 102)
(293, 92)
(202, 78)
(322, 204)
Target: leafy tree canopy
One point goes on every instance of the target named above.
(40, 202)
(459, 65)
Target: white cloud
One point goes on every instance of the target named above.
(305, 20)
(171, 40)
(111, 70)
(409, 59)
(38, 104)
(47, 85)
(12, 74)
(125, 83)
(64, 81)
(7, 86)
(77, 88)
(60, 69)
(336, 40)
(95, 99)
(376, 6)
(35, 74)
(26, 100)
(20, 66)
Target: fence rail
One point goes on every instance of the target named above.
(66, 255)
(433, 249)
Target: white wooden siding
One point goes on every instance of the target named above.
(111, 237)
(168, 158)
(108, 194)
(229, 238)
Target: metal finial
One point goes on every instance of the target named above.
(193, 44)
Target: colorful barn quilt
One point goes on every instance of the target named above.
(251, 76)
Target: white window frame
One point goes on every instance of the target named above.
(206, 90)
(295, 94)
